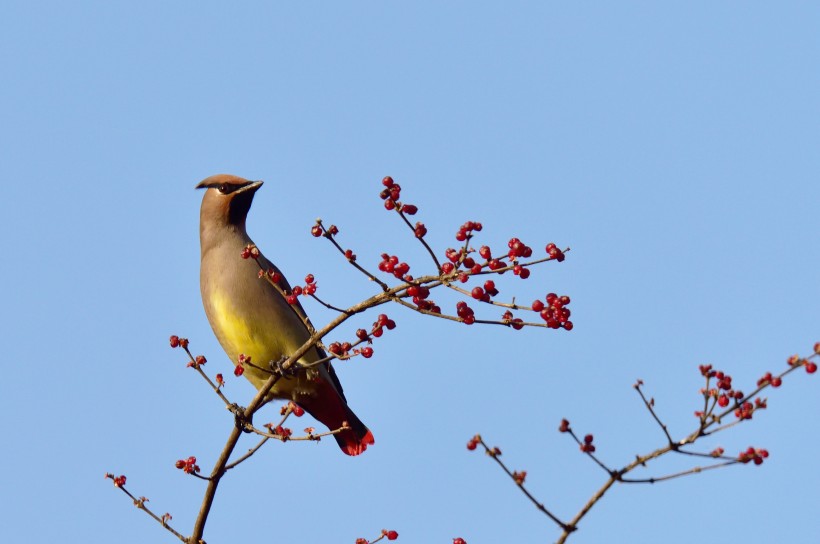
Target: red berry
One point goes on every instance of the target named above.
(367, 352)
(564, 427)
(568, 325)
(485, 252)
(387, 181)
(316, 231)
(392, 535)
(477, 293)
(525, 273)
(297, 410)
(409, 209)
(811, 367)
(174, 341)
(389, 204)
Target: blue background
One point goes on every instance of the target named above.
(673, 147)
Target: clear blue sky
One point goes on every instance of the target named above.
(673, 148)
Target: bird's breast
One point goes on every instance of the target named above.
(238, 334)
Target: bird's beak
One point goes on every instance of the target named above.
(250, 187)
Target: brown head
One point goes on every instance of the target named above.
(226, 202)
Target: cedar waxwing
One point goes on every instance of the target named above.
(249, 316)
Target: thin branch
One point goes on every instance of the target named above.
(419, 238)
(140, 503)
(493, 452)
(650, 407)
(695, 470)
(248, 454)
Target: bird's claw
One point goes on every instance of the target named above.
(241, 422)
(287, 373)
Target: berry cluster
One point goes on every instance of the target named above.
(519, 477)
(318, 230)
(271, 274)
(250, 251)
(177, 342)
(389, 535)
(588, 446)
(391, 194)
(811, 366)
(343, 349)
(466, 313)
(391, 265)
(465, 231)
(242, 360)
(484, 293)
(554, 252)
(755, 455)
(554, 312)
(198, 361)
(724, 394)
(188, 466)
(308, 289)
(564, 427)
(283, 433)
(292, 408)
(774, 381)
(119, 481)
(515, 322)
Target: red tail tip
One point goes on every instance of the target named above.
(354, 445)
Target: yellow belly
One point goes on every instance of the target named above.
(262, 344)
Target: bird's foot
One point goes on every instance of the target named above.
(241, 422)
(287, 373)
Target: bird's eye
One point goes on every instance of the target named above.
(224, 188)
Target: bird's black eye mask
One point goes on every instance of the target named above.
(227, 188)
(223, 188)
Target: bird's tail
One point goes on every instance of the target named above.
(332, 410)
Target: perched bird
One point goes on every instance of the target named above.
(250, 317)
